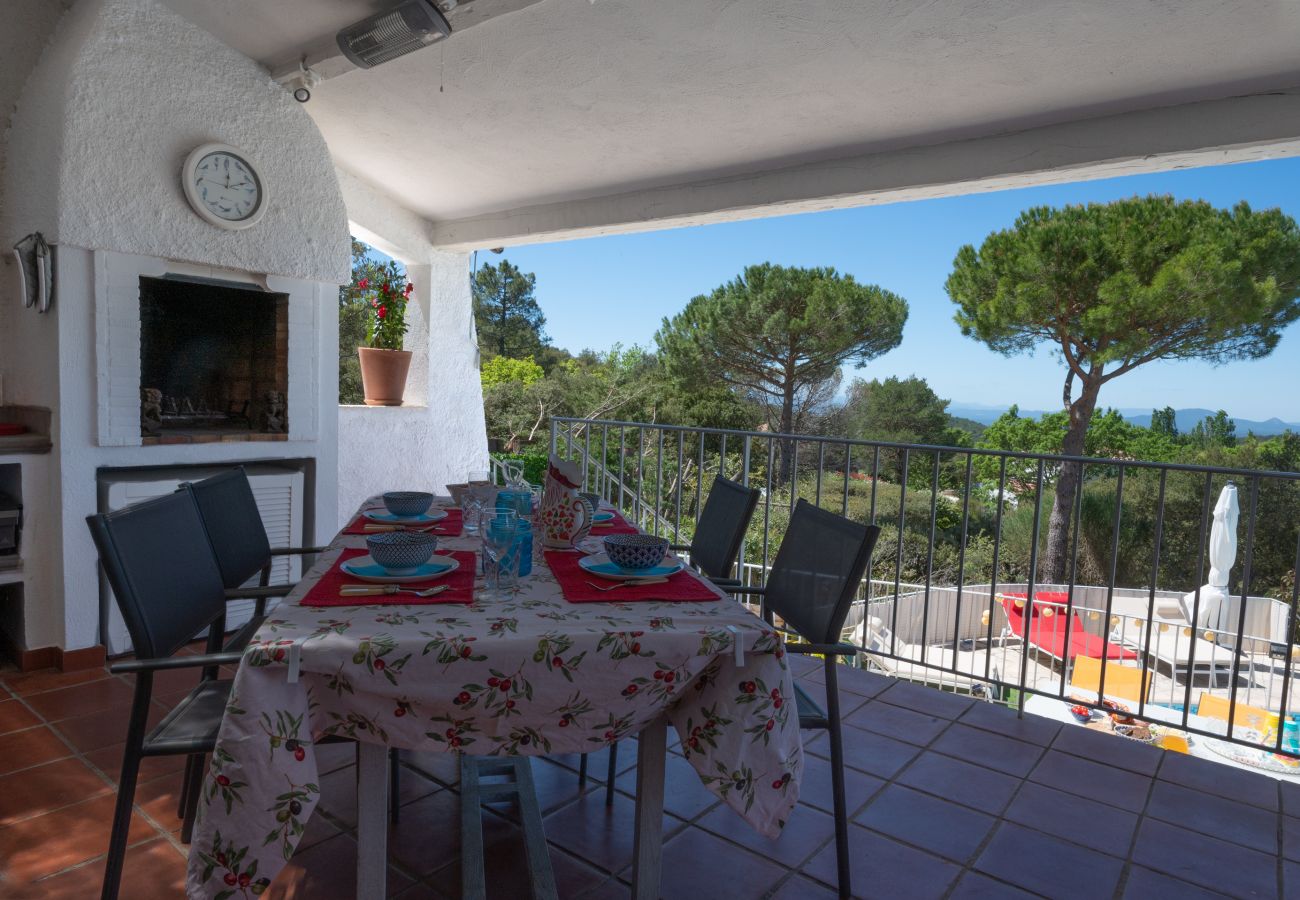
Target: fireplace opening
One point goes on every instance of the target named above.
(214, 362)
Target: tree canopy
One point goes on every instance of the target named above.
(506, 315)
(1113, 286)
(780, 335)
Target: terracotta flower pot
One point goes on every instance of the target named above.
(383, 375)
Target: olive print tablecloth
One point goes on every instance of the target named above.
(532, 674)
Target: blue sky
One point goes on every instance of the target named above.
(600, 291)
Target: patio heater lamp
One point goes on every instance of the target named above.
(395, 32)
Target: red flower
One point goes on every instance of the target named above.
(635, 648)
(363, 283)
(659, 675)
(748, 687)
(493, 682)
(510, 704)
(564, 723)
(465, 652)
(384, 289)
(409, 287)
(382, 311)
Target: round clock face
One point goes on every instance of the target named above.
(223, 187)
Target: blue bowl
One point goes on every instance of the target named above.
(635, 552)
(401, 552)
(408, 504)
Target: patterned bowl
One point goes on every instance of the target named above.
(635, 551)
(408, 504)
(401, 552)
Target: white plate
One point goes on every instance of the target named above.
(598, 564)
(427, 518)
(366, 569)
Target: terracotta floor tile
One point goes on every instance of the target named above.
(326, 871)
(599, 833)
(26, 683)
(153, 871)
(159, 797)
(46, 844)
(691, 868)
(48, 787)
(109, 761)
(22, 749)
(81, 699)
(91, 731)
(14, 715)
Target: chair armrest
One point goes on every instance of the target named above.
(297, 551)
(680, 547)
(175, 662)
(823, 649)
(259, 593)
(742, 589)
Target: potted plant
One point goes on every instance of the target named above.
(384, 363)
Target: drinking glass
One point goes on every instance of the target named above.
(479, 476)
(471, 511)
(498, 529)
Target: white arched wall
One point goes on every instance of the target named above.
(438, 434)
(120, 96)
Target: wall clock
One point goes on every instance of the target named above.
(223, 186)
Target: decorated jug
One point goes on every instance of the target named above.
(565, 518)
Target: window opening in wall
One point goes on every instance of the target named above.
(370, 268)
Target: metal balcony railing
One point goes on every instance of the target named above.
(953, 597)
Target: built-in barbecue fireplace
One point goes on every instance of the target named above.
(213, 361)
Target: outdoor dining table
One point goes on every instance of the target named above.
(531, 673)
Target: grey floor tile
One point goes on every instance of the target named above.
(933, 701)
(1000, 720)
(1047, 865)
(805, 831)
(951, 831)
(1205, 861)
(1225, 819)
(866, 751)
(698, 864)
(1096, 781)
(961, 782)
(1144, 884)
(974, 886)
(815, 787)
(1073, 818)
(882, 868)
(1220, 780)
(898, 723)
(1006, 754)
(1109, 749)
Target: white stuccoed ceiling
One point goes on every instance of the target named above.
(570, 99)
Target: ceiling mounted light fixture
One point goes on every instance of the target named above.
(396, 32)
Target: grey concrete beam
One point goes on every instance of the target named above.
(1238, 129)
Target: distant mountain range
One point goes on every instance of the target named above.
(1186, 419)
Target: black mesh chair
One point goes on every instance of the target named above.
(239, 541)
(243, 550)
(167, 584)
(714, 550)
(721, 527)
(812, 585)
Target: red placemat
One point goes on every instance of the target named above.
(616, 525)
(326, 591)
(684, 586)
(448, 527)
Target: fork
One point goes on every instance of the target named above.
(630, 583)
(357, 590)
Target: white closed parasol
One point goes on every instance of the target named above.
(1223, 554)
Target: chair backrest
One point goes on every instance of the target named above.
(1262, 720)
(162, 571)
(233, 524)
(818, 570)
(721, 527)
(1122, 682)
